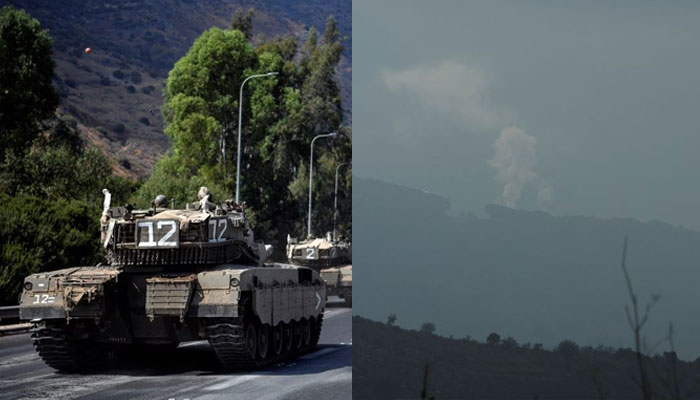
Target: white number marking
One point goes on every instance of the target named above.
(310, 253)
(151, 241)
(164, 242)
(167, 240)
(221, 237)
(44, 299)
(213, 223)
(212, 231)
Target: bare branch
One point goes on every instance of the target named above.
(629, 317)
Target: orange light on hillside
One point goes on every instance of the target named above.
(88, 50)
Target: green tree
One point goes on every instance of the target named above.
(281, 115)
(27, 95)
(50, 182)
(243, 21)
(57, 165)
(427, 327)
(567, 348)
(43, 235)
(493, 338)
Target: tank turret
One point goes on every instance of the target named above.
(319, 253)
(332, 259)
(203, 233)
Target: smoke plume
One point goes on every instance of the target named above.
(515, 161)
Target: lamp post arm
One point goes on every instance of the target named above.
(335, 200)
(311, 174)
(240, 122)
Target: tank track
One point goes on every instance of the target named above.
(57, 351)
(227, 338)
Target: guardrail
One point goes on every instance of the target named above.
(10, 323)
(9, 312)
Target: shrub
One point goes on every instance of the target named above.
(493, 338)
(509, 343)
(427, 327)
(119, 128)
(69, 120)
(567, 348)
(118, 74)
(131, 89)
(136, 77)
(125, 163)
(144, 121)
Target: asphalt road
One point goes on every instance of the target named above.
(192, 373)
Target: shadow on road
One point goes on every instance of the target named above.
(199, 359)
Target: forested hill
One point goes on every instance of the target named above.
(389, 362)
(115, 92)
(525, 274)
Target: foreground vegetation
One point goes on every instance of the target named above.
(389, 362)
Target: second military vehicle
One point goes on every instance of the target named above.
(174, 276)
(332, 259)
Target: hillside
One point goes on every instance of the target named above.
(389, 362)
(115, 92)
(527, 274)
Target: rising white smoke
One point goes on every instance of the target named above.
(515, 161)
(544, 196)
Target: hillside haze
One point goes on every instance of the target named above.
(529, 275)
(115, 92)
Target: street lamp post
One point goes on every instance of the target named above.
(240, 120)
(311, 174)
(335, 200)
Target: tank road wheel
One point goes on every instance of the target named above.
(277, 339)
(316, 324)
(296, 336)
(251, 339)
(263, 341)
(235, 343)
(59, 351)
(286, 337)
(305, 332)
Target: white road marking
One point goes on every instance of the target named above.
(196, 343)
(335, 312)
(229, 382)
(14, 361)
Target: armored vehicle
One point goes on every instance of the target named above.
(332, 259)
(175, 275)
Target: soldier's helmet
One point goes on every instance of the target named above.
(160, 201)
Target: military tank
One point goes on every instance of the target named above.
(332, 259)
(175, 275)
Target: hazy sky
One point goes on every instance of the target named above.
(578, 108)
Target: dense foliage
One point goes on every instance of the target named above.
(43, 235)
(281, 115)
(27, 95)
(50, 181)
